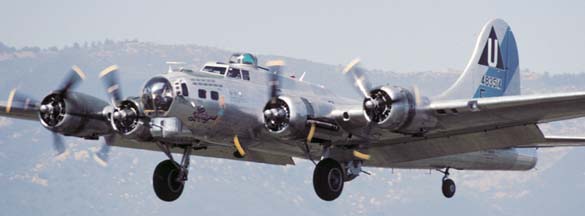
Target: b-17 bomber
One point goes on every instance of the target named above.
(244, 111)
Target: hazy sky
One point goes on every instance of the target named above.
(392, 35)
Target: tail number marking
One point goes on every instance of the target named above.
(492, 82)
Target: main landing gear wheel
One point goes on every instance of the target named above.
(448, 188)
(328, 179)
(165, 183)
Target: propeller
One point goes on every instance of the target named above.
(376, 103)
(276, 112)
(357, 75)
(372, 102)
(58, 144)
(109, 77)
(275, 68)
(52, 108)
(418, 99)
(76, 76)
(17, 100)
(102, 155)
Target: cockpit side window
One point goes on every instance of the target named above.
(214, 69)
(184, 89)
(234, 73)
(246, 74)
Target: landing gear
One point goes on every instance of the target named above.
(238, 155)
(165, 181)
(448, 186)
(169, 176)
(328, 179)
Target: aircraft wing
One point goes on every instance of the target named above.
(558, 141)
(499, 112)
(211, 150)
(18, 112)
(484, 123)
(31, 114)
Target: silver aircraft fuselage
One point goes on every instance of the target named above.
(215, 107)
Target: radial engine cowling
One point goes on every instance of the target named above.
(74, 114)
(287, 117)
(392, 108)
(128, 119)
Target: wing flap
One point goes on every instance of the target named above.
(215, 151)
(389, 154)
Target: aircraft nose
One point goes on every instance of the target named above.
(157, 94)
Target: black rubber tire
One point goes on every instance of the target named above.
(164, 182)
(448, 188)
(328, 179)
(238, 155)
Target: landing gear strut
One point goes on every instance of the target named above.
(448, 186)
(169, 176)
(328, 179)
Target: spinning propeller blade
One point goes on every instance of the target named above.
(20, 101)
(275, 67)
(357, 76)
(103, 155)
(109, 77)
(58, 143)
(76, 75)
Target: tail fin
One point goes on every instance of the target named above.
(493, 69)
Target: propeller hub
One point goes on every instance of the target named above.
(369, 104)
(46, 108)
(125, 117)
(377, 107)
(276, 116)
(52, 110)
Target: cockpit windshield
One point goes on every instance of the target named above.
(157, 94)
(234, 73)
(214, 69)
(238, 73)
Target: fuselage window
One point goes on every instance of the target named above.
(184, 89)
(246, 75)
(202, 94)
(234, 73)
(214, 69)
(214, 95)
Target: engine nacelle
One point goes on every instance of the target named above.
(128, 119)
(74, 114)
(395, 109)
(287, 117)
(290, 118)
